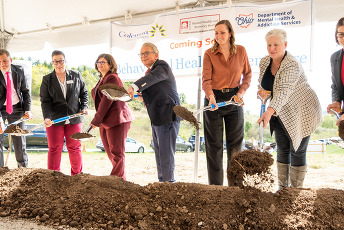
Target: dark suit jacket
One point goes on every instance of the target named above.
(21, 86)
(159, 92)
(109, 113)
(337, 84)
(53, 103)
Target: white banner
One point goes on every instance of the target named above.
(182, 39)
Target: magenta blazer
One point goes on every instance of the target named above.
(109, 113)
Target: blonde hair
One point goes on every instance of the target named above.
(277, 32)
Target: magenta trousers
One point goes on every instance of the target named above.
(56, 135)
(114, 144)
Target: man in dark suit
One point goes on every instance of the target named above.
(15, 101)
(159, 92)
(63, 92)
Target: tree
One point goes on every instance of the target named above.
(182, 98)
(248, 126)
(38, 71)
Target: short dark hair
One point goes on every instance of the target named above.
(3, 51)
(339, 24)
(111, 61)
(57, 52)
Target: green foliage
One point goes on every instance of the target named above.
(182, 98)
(248, 126)
(38, 71)
(329, 122)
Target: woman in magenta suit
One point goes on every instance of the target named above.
(112, 117)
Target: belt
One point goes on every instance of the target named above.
(226, 90)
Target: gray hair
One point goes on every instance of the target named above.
(277, 32)
(151, 45)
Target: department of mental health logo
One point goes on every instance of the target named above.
(244, 21)
(157, 29)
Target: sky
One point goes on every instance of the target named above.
(319, 76)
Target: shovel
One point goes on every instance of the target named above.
(24, 118)
(115, 92)
(261, 125)
(190, 116)
(82, 136)
(29, 132)
(335, 111)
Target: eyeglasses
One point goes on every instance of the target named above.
(58, 62)
(145, 54)
(101, 62)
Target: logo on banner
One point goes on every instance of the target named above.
(244, 21)
(157, 29)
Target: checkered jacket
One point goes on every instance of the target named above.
(294, 101)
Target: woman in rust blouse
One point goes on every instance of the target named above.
(226, 73)
(112, 117)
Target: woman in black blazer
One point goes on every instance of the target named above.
(337, 68)
(63, 92)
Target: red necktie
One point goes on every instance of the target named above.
(147, 71)
(9, 107)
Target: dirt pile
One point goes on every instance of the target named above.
(251, 167)
(108, 202)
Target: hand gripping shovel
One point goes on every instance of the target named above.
(262, 110)
(82, 136)
(337, 112)
(190, 116)
(115, 92)
(29, 132)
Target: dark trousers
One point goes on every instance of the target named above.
(19, 143)
(164, 141)
(285, 151)
(114, 140)
(233, 118)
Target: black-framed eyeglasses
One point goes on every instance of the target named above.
(145, 54)
(59, 62)
(101, 62)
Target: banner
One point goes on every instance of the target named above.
(182, 39)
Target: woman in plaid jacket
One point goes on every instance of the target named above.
(294, 111)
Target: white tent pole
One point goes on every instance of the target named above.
(197, 137)
(2, 16)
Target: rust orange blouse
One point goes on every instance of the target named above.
(220, 74)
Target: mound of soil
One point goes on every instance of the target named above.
(341, 130)
(107, 202)
(249, 163)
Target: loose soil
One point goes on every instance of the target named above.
(81, 136)
(341, 130)
(15, 129)
(86, 201)
(186, 115)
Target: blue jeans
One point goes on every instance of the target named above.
(164, 141)
(285, 151)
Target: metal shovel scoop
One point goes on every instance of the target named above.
(29, 132)
(261, 125)
(335, 111)
(82, 136)
(10, 126)
(115, 92)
